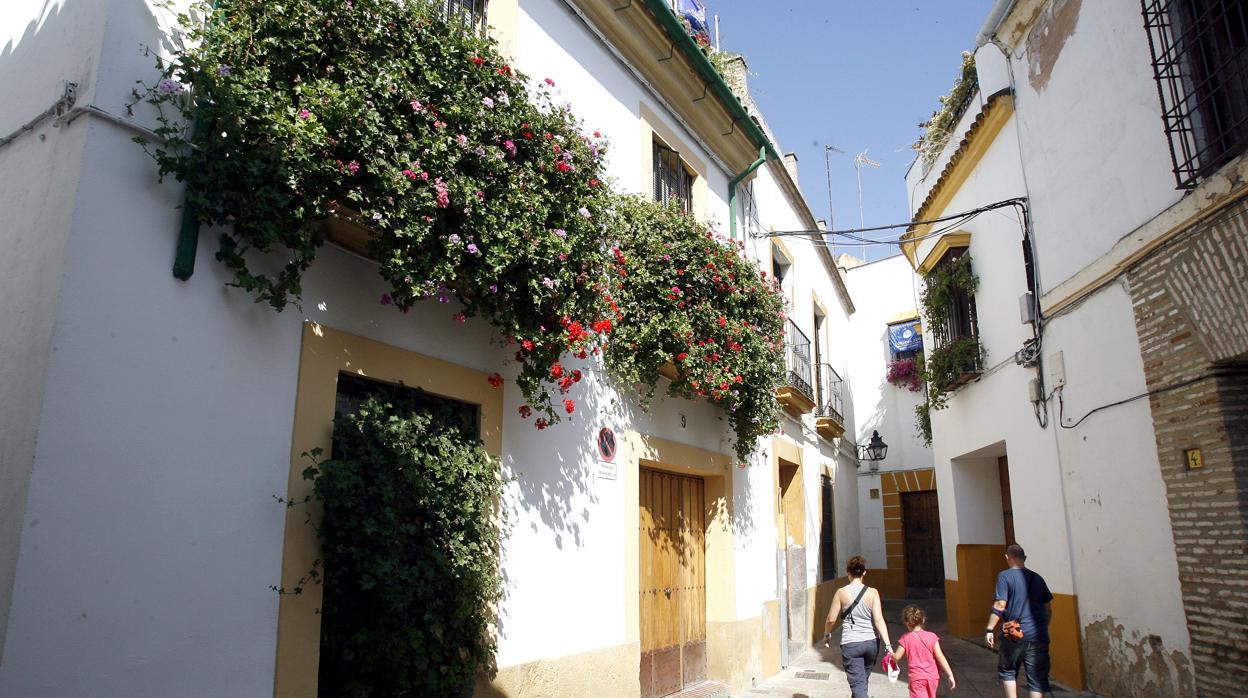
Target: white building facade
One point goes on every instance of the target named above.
(898, 510)
(1099, 429)
(149, 421)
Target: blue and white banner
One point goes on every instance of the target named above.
(905, 336)
(695, 12)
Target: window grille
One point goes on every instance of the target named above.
(962, 320)
(749, 210)
(470, 14)
(1200, 61)
(672, 181)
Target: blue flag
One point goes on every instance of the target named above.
(695, 12)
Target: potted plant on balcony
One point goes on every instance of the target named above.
(906, 373)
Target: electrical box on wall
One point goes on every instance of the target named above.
(1027, 308)
(1055, 364)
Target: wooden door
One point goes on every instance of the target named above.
(1007, 502)
(920, 517)
(673, 582)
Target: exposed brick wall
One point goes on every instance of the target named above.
(1191, 313)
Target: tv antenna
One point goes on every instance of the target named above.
(859, 160)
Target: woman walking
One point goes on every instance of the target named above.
(858, 605)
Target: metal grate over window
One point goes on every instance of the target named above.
(1200, 61)
(468, 13)
(672, 181)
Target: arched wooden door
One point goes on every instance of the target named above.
(672, 523)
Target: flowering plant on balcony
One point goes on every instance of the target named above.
(906, 373)
(476, 186)
(690, 298)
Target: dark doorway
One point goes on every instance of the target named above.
(920, 516)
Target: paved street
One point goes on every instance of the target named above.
(974, 666)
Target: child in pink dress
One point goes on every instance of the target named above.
(922, 650)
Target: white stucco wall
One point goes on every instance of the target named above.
(42, 45)
(881, 290)
(1097, 160)
(150, 535)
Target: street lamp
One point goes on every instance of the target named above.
(875, 450)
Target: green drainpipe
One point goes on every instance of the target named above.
(732, 190)
(741, 118)
(188, 231)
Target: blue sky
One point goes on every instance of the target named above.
(858, 74)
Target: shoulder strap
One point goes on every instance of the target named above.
(850, 607)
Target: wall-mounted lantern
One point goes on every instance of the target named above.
(875, 450)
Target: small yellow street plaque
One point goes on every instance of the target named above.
(1194, 459)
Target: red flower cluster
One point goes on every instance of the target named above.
(495, 380)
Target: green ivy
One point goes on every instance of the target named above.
(689, 298)
(410, 542)
(923, 421)
(946, 366)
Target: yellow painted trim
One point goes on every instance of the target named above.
(610, 671)
(946, 242)
(1066, 642)
(820, 308)
(978, 140)
(786, 450)
(325, 352)
(632, 29)
(653, 128)
(794, 402)
(504, 20)
(903, 316)
(829, 427)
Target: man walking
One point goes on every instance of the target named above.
(1022, 600)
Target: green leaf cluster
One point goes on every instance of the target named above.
(939, 128)
(410, 543)
(945, 366)
(476, 185)
(689, 298)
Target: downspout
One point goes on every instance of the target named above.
(993, 22)
(732, 190)
(188, 230)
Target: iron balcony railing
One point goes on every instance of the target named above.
(797, 361)
(829, 402)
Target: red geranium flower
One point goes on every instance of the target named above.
(569, 405)
(478, 60)
(556, 371)
(495, 380)
(525, 411)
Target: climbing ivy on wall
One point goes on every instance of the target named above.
(410, 539)
(946, 366)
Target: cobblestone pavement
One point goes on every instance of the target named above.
(974, 665)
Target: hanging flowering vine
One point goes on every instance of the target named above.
(685, 296)
(475, 185)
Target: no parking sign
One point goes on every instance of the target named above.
(607, 447)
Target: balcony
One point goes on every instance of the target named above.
(828, 419)
(796, 394)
